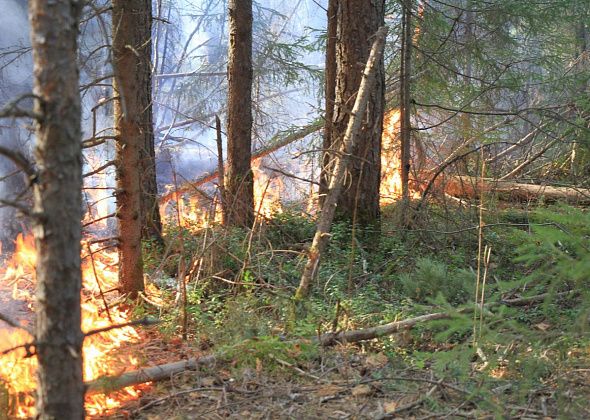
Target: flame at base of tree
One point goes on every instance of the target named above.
(17, 368)
(193, 210)
(391, 178)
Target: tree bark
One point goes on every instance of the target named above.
(330, 97)
(58, 206)
(351, 136)
(239, 186)
(357, 24)
(405, 101)
(141, 41)
(131, 109)
(220, 170)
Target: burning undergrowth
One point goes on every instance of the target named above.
(103, 354)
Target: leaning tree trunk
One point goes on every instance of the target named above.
(58, 208)
(342, 161)
(357, 23)
(131, 125)
(330, 95)
(239, 188)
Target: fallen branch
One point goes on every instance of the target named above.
(524, 301)
(151, 374)
(353, 336)
(324, 225)
(163, 372)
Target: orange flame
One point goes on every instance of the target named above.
(192, 212)
(267, 192)
(17, 372)
(391, 178)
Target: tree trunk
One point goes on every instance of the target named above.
(132, 126)
(141, 41)
(330, 96)
(357, 24)
(342, 161)
(58, 204)
(405, 102)
(239, 186)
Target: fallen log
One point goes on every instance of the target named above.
(107, 384)
(472, 188)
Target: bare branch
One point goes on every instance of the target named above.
(99, 169)
(12, 110)
(20, 161)
(15, 204)
(13, 323)
(142, 322)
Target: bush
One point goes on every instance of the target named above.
(431, 278)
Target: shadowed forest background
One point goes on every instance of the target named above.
(294, 209)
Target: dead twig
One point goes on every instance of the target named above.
(143, 322)
(13, 323)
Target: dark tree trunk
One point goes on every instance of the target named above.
(342, 161)
(357, 24)
(58, 203)
(330, 96)
(132, 115)
(142, 44)
(405, 111)
(239, 186)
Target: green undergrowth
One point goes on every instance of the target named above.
(398, 274)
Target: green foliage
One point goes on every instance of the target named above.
(289, 228)
(556, 253)
(431, 278)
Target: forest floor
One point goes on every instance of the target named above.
(350, 382)
(507, 358)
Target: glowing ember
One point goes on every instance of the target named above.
(17, 372)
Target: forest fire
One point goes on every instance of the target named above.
(192, 208)
(17, 368)
(267, 192)
(391, 180)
